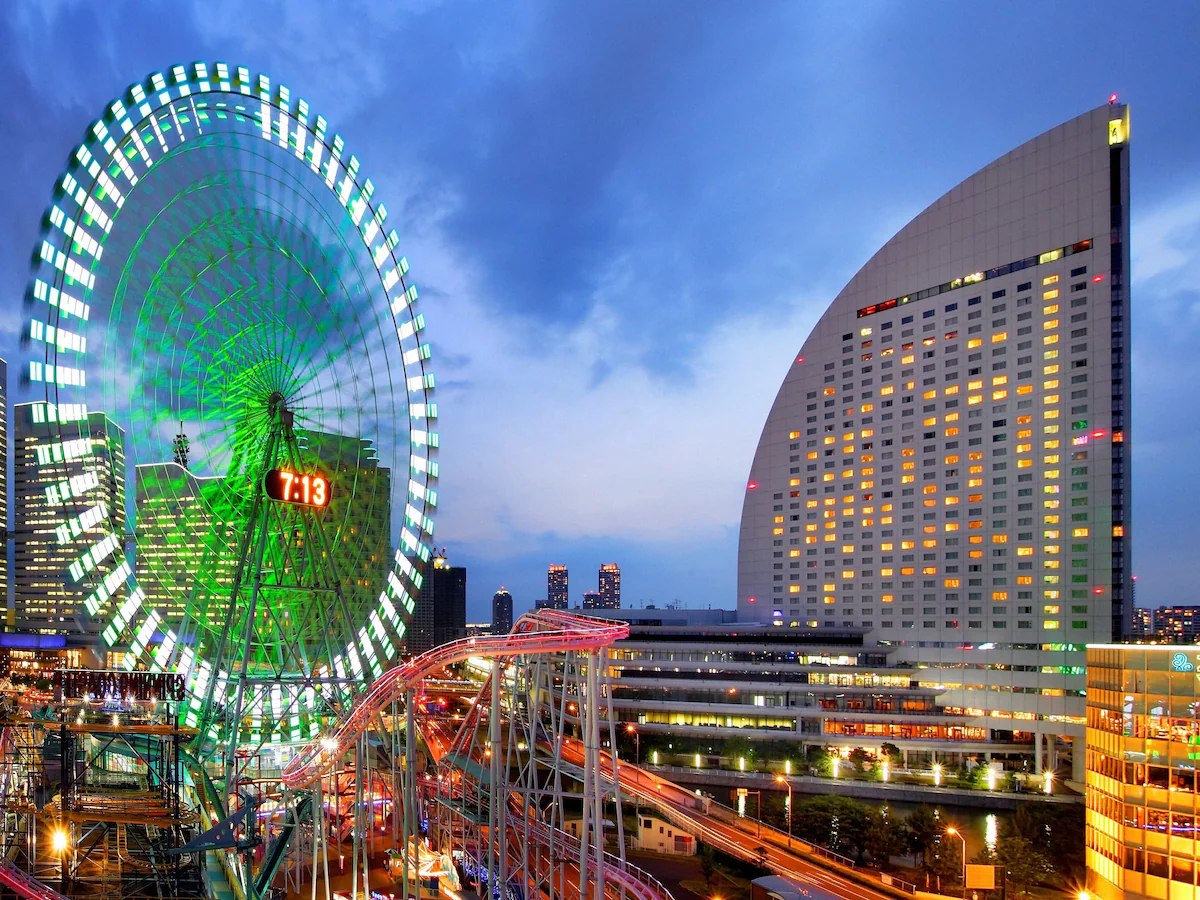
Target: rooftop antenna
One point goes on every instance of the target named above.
(180, 446)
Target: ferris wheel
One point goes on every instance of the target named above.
(231, 403)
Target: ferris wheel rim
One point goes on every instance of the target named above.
(90, 195)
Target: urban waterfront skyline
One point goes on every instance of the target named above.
(601, 330)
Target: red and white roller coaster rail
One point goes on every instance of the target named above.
(541, 631)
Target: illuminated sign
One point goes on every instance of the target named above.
(1116, 131)
(1180, 663)
(306, 488)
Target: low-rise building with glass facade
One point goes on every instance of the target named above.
(812, 687)
(1143, 780)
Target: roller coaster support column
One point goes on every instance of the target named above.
(498, 831)
(410, 829)
(592, 746)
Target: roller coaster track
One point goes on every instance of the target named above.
(541, 631)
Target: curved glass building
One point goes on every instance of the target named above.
(946, 465)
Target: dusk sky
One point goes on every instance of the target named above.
(624, 218)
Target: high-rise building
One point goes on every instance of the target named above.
(187, 539)
(82, 465)
(610, 586)
(440, 615)
(1177, 624)
(358, 519)
(1141, 623)
(1142, 785)
(502, 612)
(947, 461)
(556, 587)
(188, 529)
(592, 600)
(8, 612)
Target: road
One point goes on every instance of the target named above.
(679, 805)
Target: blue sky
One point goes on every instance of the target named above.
(625, 218)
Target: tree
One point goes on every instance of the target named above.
(708, 865)
(1024, 864)
(885, 836)
(1055, 832)
(737, 746)
(819, 761)
(923, 826)
(839, 823)
(891, 753)
(858, 759)
(944, 860)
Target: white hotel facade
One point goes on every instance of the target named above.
(947, 462)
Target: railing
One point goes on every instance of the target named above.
(25, 885)
(541, 631)
(898, 883)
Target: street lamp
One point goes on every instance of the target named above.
(779, 779)
(958, 834)
(1048, 783)
(637, 744)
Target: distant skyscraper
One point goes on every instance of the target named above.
(556, 587)
(502, 612)
(1177, 624)
(441, 611)
(591, 600)
(610, 586)
(51, 583)
(1142, 624)
(4, 487)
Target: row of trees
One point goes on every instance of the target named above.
(1027, 843)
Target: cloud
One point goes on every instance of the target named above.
(1167, 236)
(541, 450)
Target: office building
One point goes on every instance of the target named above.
(4, 574)
(1177, 624)
(610, 586)
(947, 462)
(186, 527)
(697, 674)
(1142, 787)
(502, 612)
(556, 587)
(593, 600)
(188, 530)
(358, 520)
(440, 615)
(62, 561)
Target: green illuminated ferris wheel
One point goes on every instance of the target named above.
(217, 280)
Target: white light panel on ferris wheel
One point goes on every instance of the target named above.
(137, 133)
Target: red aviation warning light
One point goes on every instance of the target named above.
(752, 486)
(1112, 98)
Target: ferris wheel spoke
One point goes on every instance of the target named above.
(243, 275)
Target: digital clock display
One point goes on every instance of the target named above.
(307, 488)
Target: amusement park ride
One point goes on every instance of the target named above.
(216, 275)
